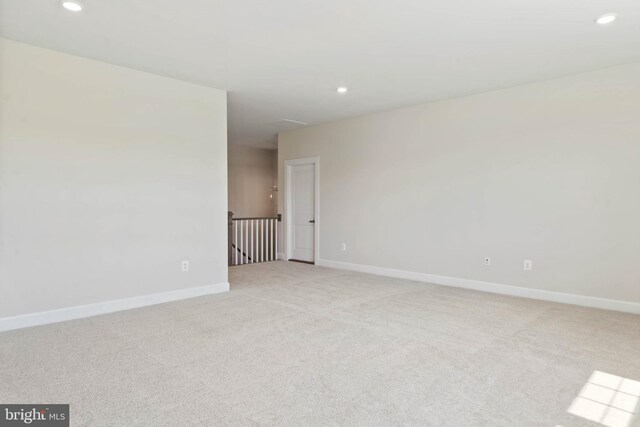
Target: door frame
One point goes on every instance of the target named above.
(288, 208)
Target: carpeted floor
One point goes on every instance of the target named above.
(294, 344)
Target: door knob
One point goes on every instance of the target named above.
(313, 220)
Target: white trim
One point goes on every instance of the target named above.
(287, 205)
(496, 288)
(88, 310)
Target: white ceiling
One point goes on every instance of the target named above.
(283, 59)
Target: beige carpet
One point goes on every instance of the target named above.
(294, 344)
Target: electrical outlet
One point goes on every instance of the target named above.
(487, 260)
(185, 266)
(343, 247)
(528, 265)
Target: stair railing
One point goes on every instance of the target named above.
(253, 239)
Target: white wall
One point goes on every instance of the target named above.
(109, 178)
(252, 172)
(548, 172)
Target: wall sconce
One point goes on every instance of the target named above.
(272, 190)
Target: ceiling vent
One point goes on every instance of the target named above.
(288, 124)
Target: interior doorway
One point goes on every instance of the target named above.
(302, 209)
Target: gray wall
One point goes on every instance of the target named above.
(252, 172)
(109, 178)
(548, 172)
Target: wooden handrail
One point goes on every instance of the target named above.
(241, 253)
(256, 217)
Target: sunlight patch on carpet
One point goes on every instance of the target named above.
(608, 399)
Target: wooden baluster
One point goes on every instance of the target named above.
(239, 242)
(230, 238)
(273, 242)
(269, 240)
(267, 236)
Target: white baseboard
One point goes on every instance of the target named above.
(496, 288)
(88, 310)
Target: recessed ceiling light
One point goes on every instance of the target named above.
(72, 5)
(342, 89)
(606, 19)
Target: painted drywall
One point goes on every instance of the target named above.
(547, 172)
(252, 173)
(109, 178)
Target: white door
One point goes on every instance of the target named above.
(303, 209)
